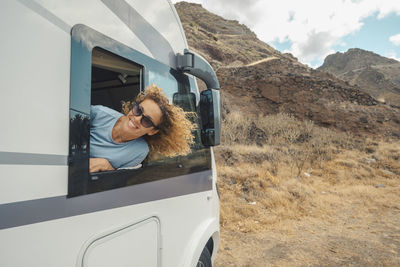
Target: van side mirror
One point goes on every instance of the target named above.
(210, 117)
(210, 103)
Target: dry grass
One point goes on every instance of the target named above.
(276, 169)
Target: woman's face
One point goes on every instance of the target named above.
(131, 126)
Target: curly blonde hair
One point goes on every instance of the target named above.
(175, 129)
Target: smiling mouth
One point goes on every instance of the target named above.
(132, 124)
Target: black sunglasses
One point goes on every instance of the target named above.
(144, 121)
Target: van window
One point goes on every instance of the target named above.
(114, 79)
(107, 74)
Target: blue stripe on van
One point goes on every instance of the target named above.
(52, 208)
(32, 159)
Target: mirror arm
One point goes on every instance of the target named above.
(194, 64)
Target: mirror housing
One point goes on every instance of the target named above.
(210, 112)
(210, 103)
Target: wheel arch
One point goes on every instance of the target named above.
(206, 235)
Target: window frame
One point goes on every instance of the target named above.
(80, 181)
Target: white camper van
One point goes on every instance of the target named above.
(59, 58)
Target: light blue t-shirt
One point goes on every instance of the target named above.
(120, 155)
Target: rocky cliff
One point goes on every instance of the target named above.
(222, 42)
(257, 79)
(379, 76)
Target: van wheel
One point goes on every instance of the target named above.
(205, 259)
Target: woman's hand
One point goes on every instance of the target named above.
(99, 164)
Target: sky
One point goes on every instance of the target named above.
(313, 29)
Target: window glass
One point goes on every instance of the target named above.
(164, 80)
(181, 92)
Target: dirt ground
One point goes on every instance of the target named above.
(331, 199)
(360, 232)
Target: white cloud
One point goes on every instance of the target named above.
(313, 27)
(387, 7)
(393, 55)
(395, 39)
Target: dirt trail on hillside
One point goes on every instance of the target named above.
(359, 233)
(261, 61)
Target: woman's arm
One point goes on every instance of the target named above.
(99, 164)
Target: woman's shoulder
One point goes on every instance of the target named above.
(99, 110)
(138, 147)
(140, 144)
(135, 151)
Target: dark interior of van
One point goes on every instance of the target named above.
(114, 79)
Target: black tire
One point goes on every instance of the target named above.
(205, 259)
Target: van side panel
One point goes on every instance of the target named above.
(34, 105)
(34, 111)
(26, 182)
(35, 82)
(60, 242)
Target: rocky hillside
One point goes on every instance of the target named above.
(222, 42)
(257, 79)
(379, 76)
